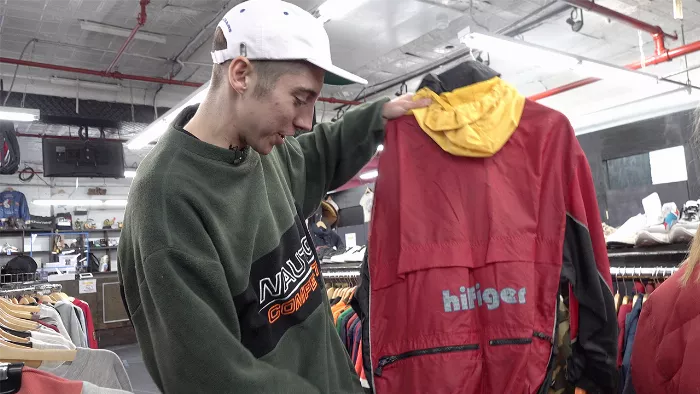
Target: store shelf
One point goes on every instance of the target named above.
(97, 230)
(20, 232)
(654, 255)
(341, 266)
(98, 248)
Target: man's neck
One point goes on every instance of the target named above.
(216, 130)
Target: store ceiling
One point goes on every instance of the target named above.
(380, 40)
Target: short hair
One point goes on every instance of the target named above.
(268, 71)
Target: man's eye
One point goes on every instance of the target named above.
(298, 102)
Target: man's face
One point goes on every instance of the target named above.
(288, 106)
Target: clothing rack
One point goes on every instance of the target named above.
(642, 272)
(23, 288)
(19, 278)
(341, 275)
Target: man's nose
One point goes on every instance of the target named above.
(304, 119)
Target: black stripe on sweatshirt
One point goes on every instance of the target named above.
(284, 289)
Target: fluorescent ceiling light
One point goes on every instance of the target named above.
(115, 203)
(369, 175)
(337, 9)
(553, 59)
(19, 114)
(129, 174)
(177, 9)
(160, 125)
(85, 84)
(68, 202)
(120, 31)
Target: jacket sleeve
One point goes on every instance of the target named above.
(188, 325)
(332, 153)
(592, 365)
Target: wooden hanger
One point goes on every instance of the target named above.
(617, 300)
(321, 224)
(26, 308)
(329, 292)
(17, 324)
(13, 345)
(9, 337)
(34, 357)
(16, 313)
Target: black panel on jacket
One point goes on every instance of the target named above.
(360, 304)
(592, 365)
(464, 74)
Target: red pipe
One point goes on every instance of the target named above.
(140, 21)
(666, 56)
(104, 74)
(655, 31)
(118, 75)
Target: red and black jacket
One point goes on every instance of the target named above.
(467, 259)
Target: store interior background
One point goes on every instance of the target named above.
(624, 128)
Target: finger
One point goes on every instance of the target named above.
(420, 103)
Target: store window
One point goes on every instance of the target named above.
(653, 168)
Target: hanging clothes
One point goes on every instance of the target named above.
(484, 201)
(13, 204)
(90, 326)
(665, 345)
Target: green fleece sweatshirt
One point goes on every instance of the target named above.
(218, 271)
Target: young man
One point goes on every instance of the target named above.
(218, 270)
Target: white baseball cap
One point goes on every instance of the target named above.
(277, 30)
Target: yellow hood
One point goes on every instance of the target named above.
(473, 121)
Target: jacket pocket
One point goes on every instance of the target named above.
(388, 360)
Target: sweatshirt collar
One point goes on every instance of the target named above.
(176, 136)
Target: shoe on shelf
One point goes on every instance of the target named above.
(686, 227)
(335, 252)
(341, 258)
(626, 235)
(356, 257)
(657, 233)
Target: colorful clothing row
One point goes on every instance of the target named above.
(349, 327)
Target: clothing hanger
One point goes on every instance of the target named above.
(14, 312)
(10, 337)
(26, 308)
(617, 298)
(625, 298)
(16, 324)
(31, 356)
(12, 345)
(321, 224)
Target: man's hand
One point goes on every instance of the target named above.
(400, 105)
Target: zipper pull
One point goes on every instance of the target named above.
(542, 336)
(382, 363)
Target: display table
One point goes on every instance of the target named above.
(112, 325)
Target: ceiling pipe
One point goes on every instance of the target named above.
(140, 21)
(657, 33)
(667, 56)
(104, 74)
(118, 75)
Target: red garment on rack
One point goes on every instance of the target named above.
(40, 382)
(92, 341)
(621, 316)
(51, 326)
(666, 345)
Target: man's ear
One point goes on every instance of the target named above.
(239, 71)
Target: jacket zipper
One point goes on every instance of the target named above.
(520, 341)
(384, 361)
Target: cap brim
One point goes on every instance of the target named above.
(336, 75)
